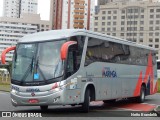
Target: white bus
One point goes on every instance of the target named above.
(158, 68)
(74, 67)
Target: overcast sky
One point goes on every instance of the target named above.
(43, 8)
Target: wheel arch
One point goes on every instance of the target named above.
(90, 86)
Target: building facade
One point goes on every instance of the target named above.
(135, 21)
(69, 14)
(15, 8)
(11, 29)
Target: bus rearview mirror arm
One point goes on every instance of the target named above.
(64, 49)
(3, 55)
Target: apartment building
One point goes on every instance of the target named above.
(15, 8)
(69, 14)
(11, 29)
(135, 21)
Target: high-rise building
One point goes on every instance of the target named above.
(135, 21)
(68, 14)
(11, 29)
(15, 8)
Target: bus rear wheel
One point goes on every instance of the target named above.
(141, 98)
(43, 108)
(85, 105)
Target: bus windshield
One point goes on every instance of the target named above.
(37, 61)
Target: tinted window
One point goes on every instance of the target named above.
(105, 51)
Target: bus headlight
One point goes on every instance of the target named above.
(14, 91)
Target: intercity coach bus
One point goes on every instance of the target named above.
(75, 67)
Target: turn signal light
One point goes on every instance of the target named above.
(55, 86)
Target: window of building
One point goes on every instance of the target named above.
(114, 23)
(122, 23)
(103, 12)
(157, 16)
(157, 21)
(115, 12)
(141, 28)
(96, 18)
(123, 11)
(157, 10)
(141, 34)
(108, 23)
(151, 34)
(96, 23)
(142, 16)
(141, 22)
(122, 17)
(141, 40)
(157, 28)
(150, 40)
(95, 29)
(150, 28)
(122, 28)
(142, 10)
(103, 23)
(113, 34)
(156, 46)
(114, 28)
(151, 22)
(157, 34)
(108, 29)
(109, 12)
(109, 17)
(151, 16)
(151, 10)
(156, 40)
(103, 29)
(150, 45)
(122, 34)
(114, 17)
(103, 18)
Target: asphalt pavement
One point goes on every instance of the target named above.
(98, 110)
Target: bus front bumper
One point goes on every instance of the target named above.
(56, 98)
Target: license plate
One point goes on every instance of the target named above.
(33, 101)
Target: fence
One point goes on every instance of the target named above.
(4, 76)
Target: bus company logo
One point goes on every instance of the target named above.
(14, 88)
(107, 72)
(32, 90)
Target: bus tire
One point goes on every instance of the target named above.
(44, 108)
(141, 98)
(85, 105)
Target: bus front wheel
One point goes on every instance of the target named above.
(43, 108)
(85, 105)
(141, 98)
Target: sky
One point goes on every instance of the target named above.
(43, 8)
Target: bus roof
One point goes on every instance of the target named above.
(59, 34)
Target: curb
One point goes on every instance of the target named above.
(4, 91)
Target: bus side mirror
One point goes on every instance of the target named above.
(3, 55)
(65, 47)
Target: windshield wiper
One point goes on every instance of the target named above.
(30, 67)
(38, 68)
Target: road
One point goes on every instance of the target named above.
(97, 109)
